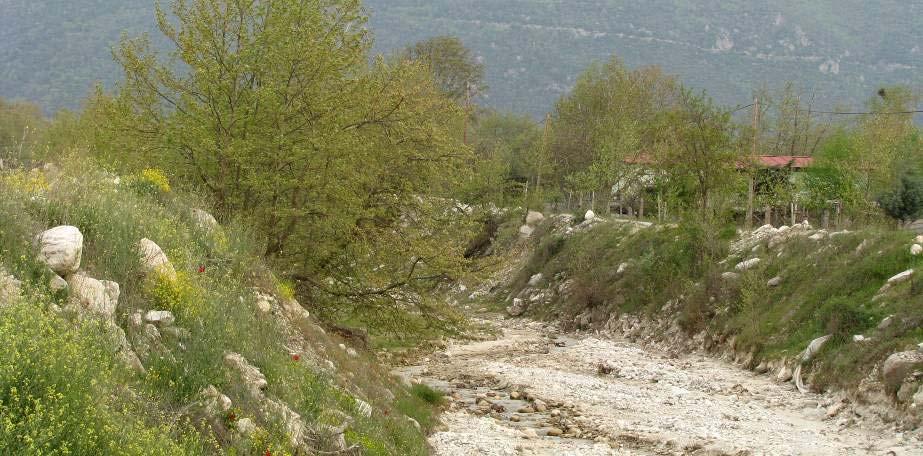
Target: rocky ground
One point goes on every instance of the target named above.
(534, 390)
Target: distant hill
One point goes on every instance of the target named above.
(843, 50)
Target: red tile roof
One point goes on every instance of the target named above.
(782, 161)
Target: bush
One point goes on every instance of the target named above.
(59, 392)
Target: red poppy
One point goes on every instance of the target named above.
(232, 416)
(387, 412)
(296, 357)
(267, 453)
(201, 268)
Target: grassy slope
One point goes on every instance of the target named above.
(70, 377)
(827, 288)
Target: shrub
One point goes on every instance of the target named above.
(150, 181)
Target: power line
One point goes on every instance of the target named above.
(839, 113)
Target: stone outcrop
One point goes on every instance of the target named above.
(204, 220)
(534, 218)
(89, 296)
(898, 366)
(10, 288)
(61, 249)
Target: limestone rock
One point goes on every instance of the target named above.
(898, 366)
(57, 283)
(204, 220)
(98, 297)
(748, 264)
(10, 288)
(906, 392)
(61, 248)
(902, 277)
(622, 268)
(160, 318)
(245, 426)
(774, 282)
(730, 276)
(916, 249)
(518, 308)
(534, 218)
(536, 279)
(590, 215)
(526, 231)
(784, 374)
(153, 260)
(250, 375)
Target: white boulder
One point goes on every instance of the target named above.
(902, 277)
(748, 264)
(536, 279)
(99, 297)
(250, 375)
(898, 366)
(730, 275)
(916, 249)
(518, 308)
(204, 220)
(590, 215)
(60, 248)
(534, 218)
(526, 230)
(774, 282)
(57, 283)
(153, 260)
(160, 318)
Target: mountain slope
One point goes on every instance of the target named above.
(52, 51)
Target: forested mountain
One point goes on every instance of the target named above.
(842, 50)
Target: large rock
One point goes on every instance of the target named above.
(160, 318)
(916, 249)
(902, 277)
(518, 308)
(153, 260)
(60, 248)
(526, 231)
(590, 215)
(96, 297)
(534, 218)
(748, 264)
(898, 366)
(204, 220)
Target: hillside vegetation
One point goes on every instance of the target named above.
(65, 385)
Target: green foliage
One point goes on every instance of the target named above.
(455, 69)
(427, 394)
(906, 201)
(329, 168)
(59, 392)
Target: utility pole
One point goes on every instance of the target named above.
(467, 109)
(752, 162)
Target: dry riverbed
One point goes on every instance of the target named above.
(534, 391)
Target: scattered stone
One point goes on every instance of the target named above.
(916, 249)
(153, 260)
(886, 322)
(539, 406)
(858, 338)
(61, 248)
(245, 426)
(902, 277)
(906, 392)
(589, 216)
(774, 282)
(554, 432)
(515, 395)
(536, 279)
(57, 283)
(517, 308)
(414, 422)
(534, 218)
(352, 352)
(730, 275)
(604, 369)
(515, 418)
(820, 235)
(251, 376)
(748, 264)
(526, 409)
(10, 288)
(526, 231)
(160, 318)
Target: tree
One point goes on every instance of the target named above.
(613, 116)
(697, 155)
(905, 202)
(279, 116)
(457, 72)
